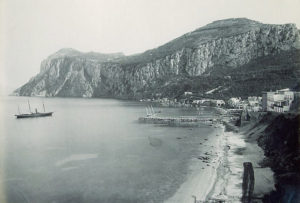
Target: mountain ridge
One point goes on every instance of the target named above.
(220, 46)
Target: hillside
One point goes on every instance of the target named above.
(242, 56)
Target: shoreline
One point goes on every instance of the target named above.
(227, 186)
(203, 174)
(237, 150)
(222, 179)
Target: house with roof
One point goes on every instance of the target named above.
(278, 101)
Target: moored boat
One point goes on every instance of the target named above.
(35, 114)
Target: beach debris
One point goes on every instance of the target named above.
(218, 200)
(240, 150)
(201, 157)
(204, 159)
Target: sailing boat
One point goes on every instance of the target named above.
(150, 111)
(33, 114)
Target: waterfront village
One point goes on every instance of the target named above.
(281, 101)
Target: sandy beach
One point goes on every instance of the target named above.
(237, 150)
(203, 171)
(229, 173)
(220, 179)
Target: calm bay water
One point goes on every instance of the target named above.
(93, 150)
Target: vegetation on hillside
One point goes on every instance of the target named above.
(263, 74)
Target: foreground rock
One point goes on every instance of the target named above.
(281, 143)
(278, 135)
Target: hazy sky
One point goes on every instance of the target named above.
(31, 30)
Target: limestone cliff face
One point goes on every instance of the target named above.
(215, 47)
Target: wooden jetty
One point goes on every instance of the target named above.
(179, 121)
(217, 118)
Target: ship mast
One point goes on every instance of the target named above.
(29, 106)
(153, 112)
(44, 107)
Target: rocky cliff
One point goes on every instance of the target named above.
(279, 137)
(197, 61)
(280, 141)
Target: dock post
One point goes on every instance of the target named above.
(248, 182)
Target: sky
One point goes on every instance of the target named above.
(31, 30)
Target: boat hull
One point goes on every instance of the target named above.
(34, 115)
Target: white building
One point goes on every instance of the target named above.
(220, 102)
(254, 104)
(279, 101)
(234, 102)
(188, 93)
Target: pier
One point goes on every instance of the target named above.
(182, 121)
(219, 117)
(155, 119)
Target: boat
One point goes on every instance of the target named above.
(33, 114)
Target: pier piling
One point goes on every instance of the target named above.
(248, 182)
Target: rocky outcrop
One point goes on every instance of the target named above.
(217, 47)
(279, 137)
(281, 143)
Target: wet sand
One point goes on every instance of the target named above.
(203, 170)
(219, 178)
(236, 151)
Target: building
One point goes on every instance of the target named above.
(254, 104)
(219, 102)
(278, 101)
(188, 93)
(209, 102)
(234, 102)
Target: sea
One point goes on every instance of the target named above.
(94, 150)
